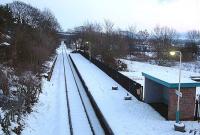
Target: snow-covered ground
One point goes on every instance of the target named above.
(130, 117)
(1, 113)
(78, 106)
(190, 66)
(50, 113)
(125, 117)
(135, 70)
(78, 95)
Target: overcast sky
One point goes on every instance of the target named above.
(182, 15)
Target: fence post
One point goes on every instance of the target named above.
(196, 109)
(198, 105)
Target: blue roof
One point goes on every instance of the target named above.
(172, 85)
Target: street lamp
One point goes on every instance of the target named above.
(90, 49)
(178, 125)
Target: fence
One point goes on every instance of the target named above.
(51, 70)
(131, 86)
(197, 109)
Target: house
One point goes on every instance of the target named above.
(161, 93)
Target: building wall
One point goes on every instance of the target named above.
(165, 96)
(153, 92)
(157, 93)
(187, 104)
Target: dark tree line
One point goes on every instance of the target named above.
(162, 41)
(33, 34)
(108, 44)
(30, 36)
(191, 49)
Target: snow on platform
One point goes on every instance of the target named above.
(75, 101)
(125, 117)
(78, 117)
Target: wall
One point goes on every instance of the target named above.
(165, 96)
(187, 104)
(154, 92)
(157, 93)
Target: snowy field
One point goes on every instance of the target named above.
(135, 70)
(190, 66)
(125, 117)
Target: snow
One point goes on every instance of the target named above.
(1, 114)
(4, 44)
(79, 119)
(179, 124)
(168, 74)
(1, 132)
(150, 54)
(130, 117)
(190, 66)
(8, 37)
(77, 110)
(50, 113)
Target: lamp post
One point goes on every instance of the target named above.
(90, 50)
(178, 125)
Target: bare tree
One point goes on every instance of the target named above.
(193, 35)
(33, 36)
(163, 40)
(191, 49)
(108, 26)
(106, 45)
(143, 36)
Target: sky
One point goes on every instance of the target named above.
(182, 15)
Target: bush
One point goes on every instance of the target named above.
(190, 51)
(121, 66)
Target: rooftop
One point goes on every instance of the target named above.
(170, 79)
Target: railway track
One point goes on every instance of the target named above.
(67, 98)
(82, 118)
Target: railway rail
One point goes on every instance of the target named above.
(82, 118)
